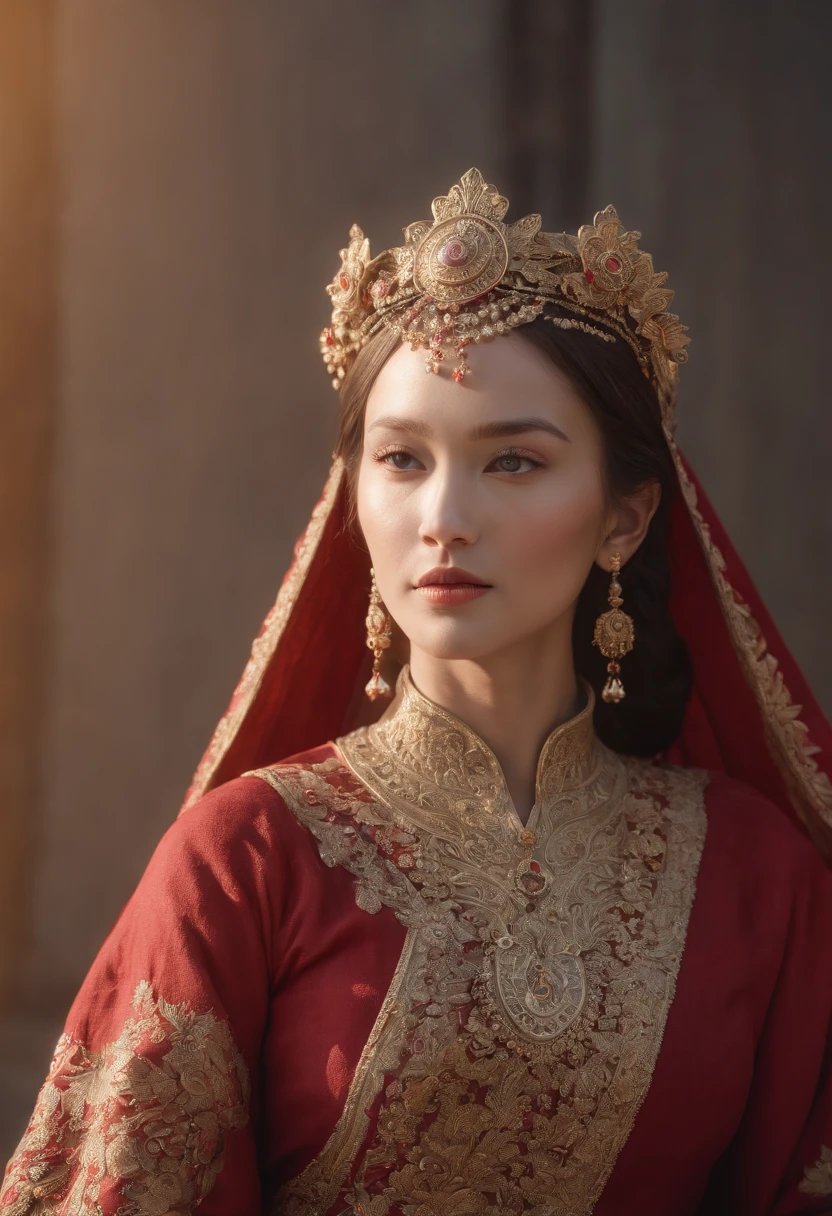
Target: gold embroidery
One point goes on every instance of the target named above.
(521, 1032)
(817, 1178)
(140, 1123)
(809, 788)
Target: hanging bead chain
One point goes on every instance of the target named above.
(425, 326)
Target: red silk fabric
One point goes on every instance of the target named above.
(236, 914)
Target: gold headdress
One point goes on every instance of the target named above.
(467, 277)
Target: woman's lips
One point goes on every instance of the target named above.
(448, 594)
(446, 586)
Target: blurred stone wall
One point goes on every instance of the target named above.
(204, 161)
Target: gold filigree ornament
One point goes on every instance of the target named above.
(467, 277)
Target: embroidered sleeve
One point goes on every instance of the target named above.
(145, 1111)
(777, 1164)
(138, 1127)
(804, 1045)
(817, 1178)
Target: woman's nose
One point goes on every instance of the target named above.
(448, 516)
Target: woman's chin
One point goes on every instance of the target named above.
(458, 643)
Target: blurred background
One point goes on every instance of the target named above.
(176, 178)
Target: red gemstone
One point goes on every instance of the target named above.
(344, 280)
(458, 374)
(613, 265)
(590, 277)
(534, 865)
(330, 341)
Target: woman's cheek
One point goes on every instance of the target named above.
(555, 527)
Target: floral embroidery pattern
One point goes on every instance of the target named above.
(817, 1178)
(136, 1129)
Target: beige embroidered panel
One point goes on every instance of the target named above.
(520, 1033)
(140, 1123)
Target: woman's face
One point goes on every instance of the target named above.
(499, 479)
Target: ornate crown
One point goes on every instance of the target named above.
(467, 277)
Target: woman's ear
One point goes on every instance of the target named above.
(630, 521)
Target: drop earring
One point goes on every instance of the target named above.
(379, 637)
(614, 636)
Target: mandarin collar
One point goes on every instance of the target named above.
(421, 754)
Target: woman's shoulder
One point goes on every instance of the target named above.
(744, 829)
(749, 836)
(747, 818)
(248, 815)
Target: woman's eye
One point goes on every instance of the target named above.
(398, 460)
(511, 462)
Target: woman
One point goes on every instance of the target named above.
(549, 936)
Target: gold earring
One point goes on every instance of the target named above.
(379, 637)
(614, 636)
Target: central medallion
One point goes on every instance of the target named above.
(459, 259)
(539, 997)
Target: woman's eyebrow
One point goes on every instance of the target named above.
(517, 426)
(409, 425)
(486, 430)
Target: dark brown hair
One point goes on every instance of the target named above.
(657, 674)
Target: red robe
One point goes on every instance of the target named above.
(212, 1048)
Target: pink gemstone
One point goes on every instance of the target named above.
(453, 253)
(613, 265)
(458, 374)
(590, 277)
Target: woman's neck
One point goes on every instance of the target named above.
(513, 700)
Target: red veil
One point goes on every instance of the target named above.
(752, 714)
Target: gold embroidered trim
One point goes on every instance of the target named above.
(141, 1123)
(817, 1178)
(809, 788)
(266, 643)
(469, 1098)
